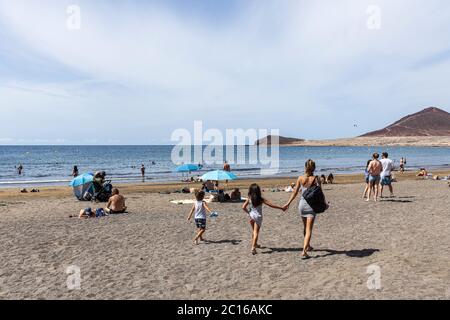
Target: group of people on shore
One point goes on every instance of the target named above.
(253, 207)
(378, 174)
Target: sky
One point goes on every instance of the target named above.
(135, 71)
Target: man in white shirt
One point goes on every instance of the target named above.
(386, 173)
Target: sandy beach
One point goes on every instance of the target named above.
(148, 253)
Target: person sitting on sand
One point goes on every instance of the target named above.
(208, 186)
(323, 179)
(422, 173)
(199, 208)
(330, 178)
(235, 195)
(290, 188)
(99, 180)
(253, 207)
(116, 203)
(375, 168)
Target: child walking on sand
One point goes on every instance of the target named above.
(253, 207)
(200, 209)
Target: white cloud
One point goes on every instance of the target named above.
(282, 64)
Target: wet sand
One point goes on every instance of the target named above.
(148, 253)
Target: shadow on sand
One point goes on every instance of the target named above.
(328, 252)
(233, 242)
(396, 200)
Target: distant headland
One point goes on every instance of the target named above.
(427, 128)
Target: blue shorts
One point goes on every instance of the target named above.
(200, 223)
(386, 181)
(374, 179)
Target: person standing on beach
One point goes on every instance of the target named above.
(374, 170)
(366, 175)
(386, 174)
(226, 168)
(307, 213)
(75, 172)
(253, 207)
(143, 171)
(402, 165)
(199, 208)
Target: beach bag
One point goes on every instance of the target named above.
(315, 198)
(99, 213)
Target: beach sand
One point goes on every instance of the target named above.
(148, 253)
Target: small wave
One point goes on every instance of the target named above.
(32, 182)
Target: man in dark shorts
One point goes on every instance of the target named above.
(116, 203)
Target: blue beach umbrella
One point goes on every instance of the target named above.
(187, 168)
(82, 179)
(219, 175)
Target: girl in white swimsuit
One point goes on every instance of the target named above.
(253, 207)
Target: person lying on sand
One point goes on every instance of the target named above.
(116, 203)
(200, 209)
(89, 213)
(86, 213)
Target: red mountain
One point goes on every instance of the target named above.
(428, 122)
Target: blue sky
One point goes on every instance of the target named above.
(138, 70)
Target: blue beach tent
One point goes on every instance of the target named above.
(82, 184)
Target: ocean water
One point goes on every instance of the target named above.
(52, 165)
